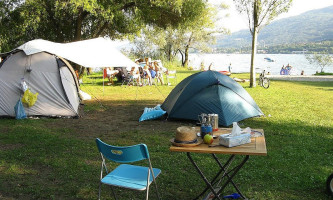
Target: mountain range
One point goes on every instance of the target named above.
(309, 27)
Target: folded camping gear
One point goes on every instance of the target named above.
(152, 113)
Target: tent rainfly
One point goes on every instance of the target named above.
(210, 92)
(93, 53)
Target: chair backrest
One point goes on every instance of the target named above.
(141, 71)
(122, 73)
(125, 154)
(172, 73)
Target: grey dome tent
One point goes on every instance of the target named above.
(210, 92)
(46, 74)
(41, 65)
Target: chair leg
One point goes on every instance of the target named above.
(147, 192)
(123, 82)
(147, 189)
(114, 194)
(158, 194)
(154, 179)
(99, 191)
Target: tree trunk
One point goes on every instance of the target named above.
(254, 52)
(168, 52)
(186, 56)
(181, 53)
(78, 26)
(101, 29)
(254, 42)
(187, 47)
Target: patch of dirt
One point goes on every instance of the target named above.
(115, 119)
(4, 147)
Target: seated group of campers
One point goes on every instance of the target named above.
(145, 73)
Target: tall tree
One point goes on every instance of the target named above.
(322, 59)
(200, 33)
(196, 30)
(260, 13)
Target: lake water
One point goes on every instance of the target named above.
(241, 63)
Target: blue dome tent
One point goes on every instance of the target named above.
(210, 92)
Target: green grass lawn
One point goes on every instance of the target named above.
(58, 158)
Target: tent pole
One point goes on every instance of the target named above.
(103, 82)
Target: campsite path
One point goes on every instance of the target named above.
(300, 78)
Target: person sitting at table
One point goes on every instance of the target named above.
(110, 74)
(152, 70)
(135, 74)
(159, 72)
(147, 75)
(147, 72)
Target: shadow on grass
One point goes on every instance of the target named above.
(58, 158)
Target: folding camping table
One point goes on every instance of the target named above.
(225, 175)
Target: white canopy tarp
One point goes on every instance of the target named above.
(93, 53)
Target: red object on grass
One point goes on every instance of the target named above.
(104, 73)
(225, 73)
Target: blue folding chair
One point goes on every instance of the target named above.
(125, 175)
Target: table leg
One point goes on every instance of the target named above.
(235, 171)
(222, 169)
(227, 174)
(209, 185)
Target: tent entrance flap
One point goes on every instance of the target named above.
(70, 90)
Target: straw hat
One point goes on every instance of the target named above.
(186, 137)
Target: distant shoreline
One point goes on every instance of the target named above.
(240, 63)
(300, 78)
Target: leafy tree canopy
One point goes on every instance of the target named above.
(322, 59)
(72, 20)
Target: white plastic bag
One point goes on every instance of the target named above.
(23, 85)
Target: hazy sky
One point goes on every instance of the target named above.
(237, 22)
